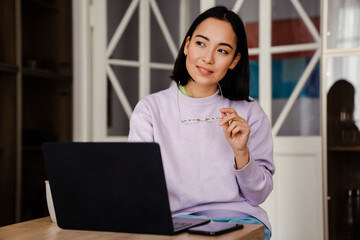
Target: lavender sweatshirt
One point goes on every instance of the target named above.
(198, 161)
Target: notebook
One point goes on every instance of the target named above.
(116, 187)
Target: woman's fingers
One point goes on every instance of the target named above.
(237, 127)
(233, 129)
(228, 118)
(233, 123)
(229, 115)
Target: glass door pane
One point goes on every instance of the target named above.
(125, 82)
(304, 116)
(287, 25)
(125, 76)
(343, 24)
(295, 25)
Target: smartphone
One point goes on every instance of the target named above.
(215, 228)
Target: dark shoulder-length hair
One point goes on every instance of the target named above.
(236, 83)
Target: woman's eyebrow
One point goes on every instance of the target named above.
(207, 39)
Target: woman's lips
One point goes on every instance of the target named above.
(204, 71)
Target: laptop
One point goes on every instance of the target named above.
(118, 187)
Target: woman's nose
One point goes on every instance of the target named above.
(209, 57)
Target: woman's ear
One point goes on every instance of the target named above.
(235, 61)
(186, 45)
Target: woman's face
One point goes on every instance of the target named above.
(210, 51)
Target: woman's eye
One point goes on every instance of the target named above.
(200, 43)
(223, 51)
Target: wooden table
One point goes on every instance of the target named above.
(44, 228)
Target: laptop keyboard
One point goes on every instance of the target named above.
(181, 225)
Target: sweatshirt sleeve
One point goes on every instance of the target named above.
(255, 179)
(141, 127)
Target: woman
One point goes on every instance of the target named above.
(215, 141)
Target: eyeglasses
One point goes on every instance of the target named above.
(192, 121)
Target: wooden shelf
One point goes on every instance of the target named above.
(8, 68)
(344, 149)
(39, 4)
(46, 74)
(31, 148)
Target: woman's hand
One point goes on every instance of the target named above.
(237, 132)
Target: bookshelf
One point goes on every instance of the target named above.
(35, 99)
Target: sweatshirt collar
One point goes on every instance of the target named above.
(215, 98)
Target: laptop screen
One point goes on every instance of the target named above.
(108, 186)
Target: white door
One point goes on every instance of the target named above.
(133, 44)
(291, 51)
(286, 57)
